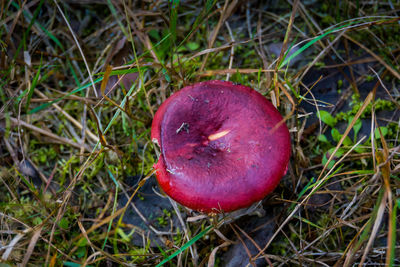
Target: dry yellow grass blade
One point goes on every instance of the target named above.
(32, 244)
(383, 161)
(378, 58)
(367, 100)
(231, 71)
(69, 117)
(48, 134)
(375, 228)
(118, 212)
(319, 180)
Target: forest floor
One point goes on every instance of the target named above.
(80, 82)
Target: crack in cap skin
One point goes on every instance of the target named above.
(221, 148)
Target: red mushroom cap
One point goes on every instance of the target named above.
(223, 146)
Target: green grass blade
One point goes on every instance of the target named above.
(28, 29)
(365, 234)
(33, 86)
(114, 207)
(73, 264)
(199, 19)
(49, 34)
(173, 19)
(309, 222)
(41, 107)
(147, 51)
(393, 233)
(115, 15)
(186, 246)
(310, 43)
(121, 72)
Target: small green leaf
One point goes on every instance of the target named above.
(326, 117)
(123, 235)
(356, 128)
(82, 242)
(193, 45)
(347, 141)
(154, 34)
(80, 252)
(325, 160)
(384, 131)
(323, 138)
(336, 135)
(63, 223)
(359, 149)
(326, 156)
(37, 220)
(167, 77)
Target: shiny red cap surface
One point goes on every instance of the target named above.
(223, 146)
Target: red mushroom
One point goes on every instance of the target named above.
(223, 146)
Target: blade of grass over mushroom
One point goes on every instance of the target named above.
(186, 246)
